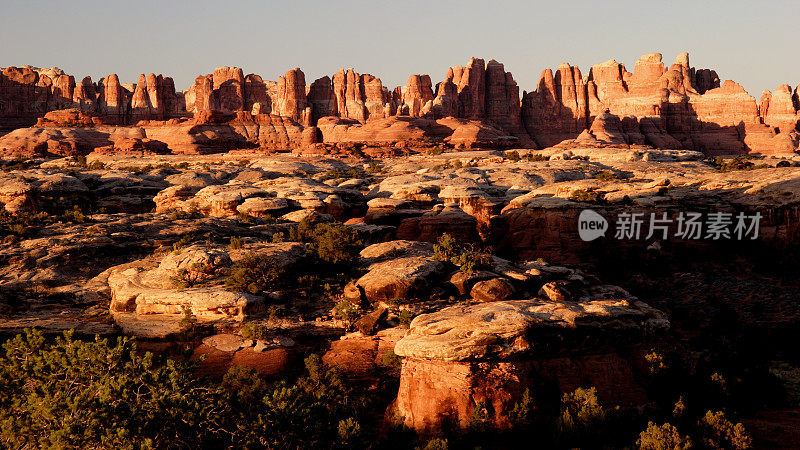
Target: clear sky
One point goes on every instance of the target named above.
(752, 42)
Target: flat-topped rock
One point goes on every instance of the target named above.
(501, 329)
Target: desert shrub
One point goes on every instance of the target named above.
(336, 243)
(405, 317)
(350, 172)
(446, 248)
(74, 215)
(436, 444)
(307, 413)
(436, 151)
(189, 328)
(606, 175)
(349, 431)
(523, 412)
(96, 165)
(236, 243)
(536, 157)
(21, 223)
(185, 278)
(466, 257)
(581, 414)
(345, 310)
(656, 363)
(18, 163)
(587, 196)
(719, 432)
(182, 243)
(374, 167)
(738, 163)
(79, 161)
(138, 170)
(245, 386)
(512, 155)
(392, 363)
(664, 437)
(254, 330)
(245, 219)
(254, 274)
(331, 242)
(470, 260)
(67, 393)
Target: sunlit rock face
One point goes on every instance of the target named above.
(658, 105)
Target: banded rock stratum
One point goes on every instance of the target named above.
(479, 105)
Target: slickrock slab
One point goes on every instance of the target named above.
(502, 329)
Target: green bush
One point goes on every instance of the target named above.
(392, 363)
(446, 248)
(606, 175)
(738, 163)
(512, 155)
(467, 258)
(345, 310)
(405, 317)
(523, 412)
(581, 414)
(587, 196)
(664, 437)
(236, 243)
(308, 413)
(71, 394)
(350, 172)
(719, 432)
(254, 330)
(536, 157)
(436, 444)
(471, 260)
(96, 165)
(254, 274)
(331, 242)
(66, 393)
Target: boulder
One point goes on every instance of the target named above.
(492, 290)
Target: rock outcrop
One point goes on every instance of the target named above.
(487, 354)
(664, 106)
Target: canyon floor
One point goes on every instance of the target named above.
(447, 285)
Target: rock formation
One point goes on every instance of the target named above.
(489, 353)
(675, 106)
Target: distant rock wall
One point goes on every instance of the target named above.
(675, 106)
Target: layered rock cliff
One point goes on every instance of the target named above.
(675, 107)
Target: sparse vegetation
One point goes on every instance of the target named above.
(346, 310)
(254, 330)
(331, 242)
(743, 162)
(254, 274)
(664, 437)
(236, 243)
(405, 317)
(66, 393)
(350, 172)
(606, 175)
(587, 196)
(466, 257)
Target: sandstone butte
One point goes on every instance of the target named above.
(46, 112)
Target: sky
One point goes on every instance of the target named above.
(752, 42)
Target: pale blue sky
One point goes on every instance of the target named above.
(753, 42)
